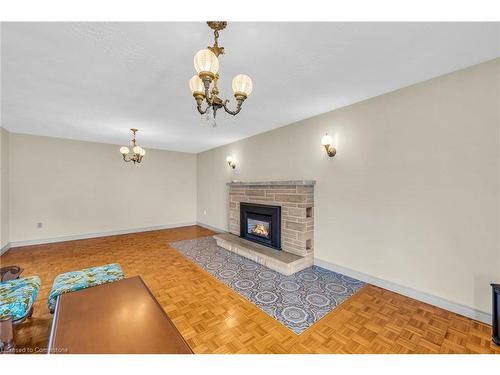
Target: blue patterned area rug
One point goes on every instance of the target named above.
(297, 301)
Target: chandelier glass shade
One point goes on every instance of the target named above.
(196, 85)
(205, 62)
(203, 85)
(137, 151)
(242, 85)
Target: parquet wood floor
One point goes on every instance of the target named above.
(215, 319)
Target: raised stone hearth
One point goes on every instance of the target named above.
(280, 261)
(296, 199)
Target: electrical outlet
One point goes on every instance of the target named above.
(39, 225)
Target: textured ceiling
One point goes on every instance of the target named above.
(94, 81)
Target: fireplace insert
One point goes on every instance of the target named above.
(261, 223)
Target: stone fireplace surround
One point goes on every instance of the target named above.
(296, 199)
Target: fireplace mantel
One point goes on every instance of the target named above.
(273, 183)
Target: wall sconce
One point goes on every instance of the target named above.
(231, 162)
(326, 141)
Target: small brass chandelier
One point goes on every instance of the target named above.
(138, 151)
(204, 84)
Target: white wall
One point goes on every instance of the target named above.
(412, 196)
(4, 188)
(77, 188)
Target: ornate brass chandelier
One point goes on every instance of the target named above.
(138, 151)
(204, 84)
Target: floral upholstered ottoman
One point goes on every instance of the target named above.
(86, 278)
(17, 297)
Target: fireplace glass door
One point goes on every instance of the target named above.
(261, 223)
(259, 228)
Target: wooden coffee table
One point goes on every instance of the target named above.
(118, 317)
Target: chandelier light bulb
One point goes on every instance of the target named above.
(143, 152)
(229, 159)
(242, 84)
(124, 150)
(137, 150)
(196, 85)
(206, 61)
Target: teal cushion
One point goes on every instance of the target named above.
(17, 296)
(86, 278)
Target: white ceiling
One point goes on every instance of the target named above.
(94, 81)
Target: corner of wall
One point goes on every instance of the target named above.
(4, 190)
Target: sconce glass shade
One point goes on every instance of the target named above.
(206, 61)
(242, 84)
(196, 85)
(229, 159)
(326, 140)
(124, 150)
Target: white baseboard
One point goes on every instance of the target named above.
(4, 248)
(409, 292)
(215, 229)
(42, 241)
